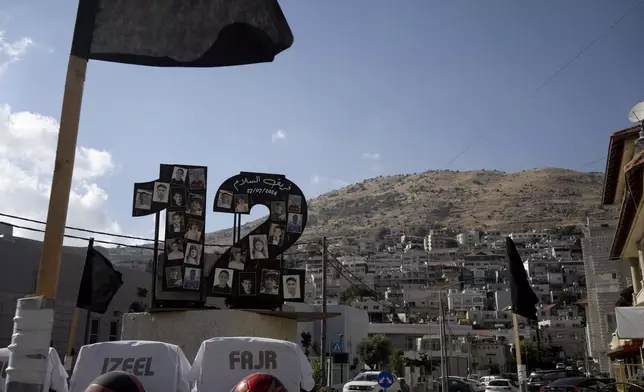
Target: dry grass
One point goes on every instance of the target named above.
(538, 198)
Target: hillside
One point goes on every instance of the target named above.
(539, 198)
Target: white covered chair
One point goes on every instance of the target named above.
(161, 367)
(56, 378)
(222, 362)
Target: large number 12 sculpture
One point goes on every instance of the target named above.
(249, 274)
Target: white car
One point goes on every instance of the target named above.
(486, 379)
(368, 381)
(501, 385)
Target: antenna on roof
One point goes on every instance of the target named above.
(637, 116)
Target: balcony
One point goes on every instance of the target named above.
(639, 298)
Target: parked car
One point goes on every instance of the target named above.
(501, 385)
(542, 378)
(477, 386)
(368, 381)
(486, 379)
(456, 384)
(574, 384)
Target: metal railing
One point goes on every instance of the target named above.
(626, 372)
(623, 386)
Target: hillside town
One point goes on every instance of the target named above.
(423, 224)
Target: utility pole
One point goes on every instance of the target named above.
(444, 383)
(323, 344)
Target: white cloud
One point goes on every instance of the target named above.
(332, 183)
(278, 135)
(27, 152)
(12, 51)
(370, 156)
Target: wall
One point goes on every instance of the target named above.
(20, 258)
(603, 293)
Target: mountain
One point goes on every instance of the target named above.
(481, 199)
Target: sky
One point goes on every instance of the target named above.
(368, 88)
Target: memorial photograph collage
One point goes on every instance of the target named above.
(185, 195)
(252, 267)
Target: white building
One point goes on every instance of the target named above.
(438, 239)
(469, 238)
(466, 300)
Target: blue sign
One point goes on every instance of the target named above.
(336, 347)
(385, 379)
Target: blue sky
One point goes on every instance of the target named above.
(368, 88)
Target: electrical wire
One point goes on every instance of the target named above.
(130, 237)
(554, 75)
(86, 239)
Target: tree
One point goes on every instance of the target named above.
(354, 292)
(306, 342)
(424, 362)
(140, 305)
(530, 353)
(374, 351)
(317, 375)
(397, 362)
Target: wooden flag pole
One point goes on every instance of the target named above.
(521, 372)
(35, 314)
(72, 333)
(70, 342)
(49, 270)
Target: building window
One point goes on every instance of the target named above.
(614, 275)
(409, 343)
(114, 331)
(610, 320)
(93, 331)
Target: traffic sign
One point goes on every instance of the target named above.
(336, 347)
(385, 379)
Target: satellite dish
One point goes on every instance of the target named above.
(637, 113)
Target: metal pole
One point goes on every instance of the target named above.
(521, 370)
(323, 344)
(88, 320)
(155, 260)
(429, 332)
(444, 383)
(342, 365)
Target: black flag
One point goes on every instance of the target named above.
(523, 298)
(181, 33)
(99, 283)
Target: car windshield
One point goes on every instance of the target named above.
(366, 377)
(498, 383)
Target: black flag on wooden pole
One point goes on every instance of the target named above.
(99, 283)
(181, 33)
(523, 298)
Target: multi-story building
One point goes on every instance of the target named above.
(439, 239)
(468, 299)
(527, 238)
(624, 186)
(605, 279)
(469, 238)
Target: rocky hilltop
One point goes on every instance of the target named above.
(481, 199)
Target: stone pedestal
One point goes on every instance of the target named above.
(187, 329)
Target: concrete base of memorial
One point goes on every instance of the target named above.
(187, 329)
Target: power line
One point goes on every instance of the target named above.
(85, 239)
(554, 75)
(130, 237)
(364, 285)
